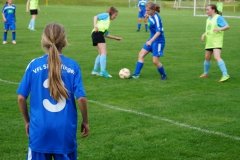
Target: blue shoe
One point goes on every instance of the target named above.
(105, 74)
(135, 76)
(95, 72)
(164, 77)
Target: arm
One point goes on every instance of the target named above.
(82, 102)
(153, 38)
(113, 37)
(27, 5)
(23, 108)
(203, 36)
(4, 19)
(222, 28)
(95, 19)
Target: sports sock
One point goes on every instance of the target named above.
(138, 68)
(139, 26)
(13, 36)
(161, 71)
(206, 67)
(103, 61)
(146, 27)
(30, 24)
(4, 36)
(33, 24)
(97, 63)
(223, 68)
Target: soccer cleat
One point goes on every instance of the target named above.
(138, 30)
(4, 42)
(224, 78)
(95, 72)
(31, 28)
(14, 42)
(204, 75)
(164, 77)
(105, 74)
(146, 30)
(134, 76)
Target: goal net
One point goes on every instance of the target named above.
(231, 9)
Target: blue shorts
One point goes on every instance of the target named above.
(12, 26)
(31, 155)
(156, 48)
(141, 14)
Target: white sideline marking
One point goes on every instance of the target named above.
(167, 120)
(8, 81)
(154, 117)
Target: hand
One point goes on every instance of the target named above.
(26, 10)
(217, 30)
(118, 38)
(96, 29)
(5, 20)
(148, 43)
(85, 127)
(202, 38)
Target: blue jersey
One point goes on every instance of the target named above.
(9, 13)
(53, 124)
(155, 25)
(142, 4)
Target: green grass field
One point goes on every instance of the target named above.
(183, 118)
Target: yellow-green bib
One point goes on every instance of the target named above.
(213, 39)
(33, 4)
(102, 25)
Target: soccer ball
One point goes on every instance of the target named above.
(124, 73)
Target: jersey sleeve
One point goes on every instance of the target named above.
(78, 83)
(103, 16)
(24, 86)
(221, 22)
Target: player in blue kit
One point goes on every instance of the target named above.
(52, 81)
(141, 14)
(9, 18)
(154, 44)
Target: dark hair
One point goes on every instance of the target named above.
(153, 6)
(214, 7)
(112, 10)
(6, 2)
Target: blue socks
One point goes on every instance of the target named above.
(138, 68)
(13, 36)
(223, 68)
(206, 67)
(146, 27)
(103, 61)
(161, 71)
(139, 26)
(4, 36)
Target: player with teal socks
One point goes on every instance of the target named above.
(213, 36)
(32, 5)
(101, 30)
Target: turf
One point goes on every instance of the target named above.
(183, 118)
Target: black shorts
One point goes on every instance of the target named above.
(98, 37)
(211, 49)
(34, 12)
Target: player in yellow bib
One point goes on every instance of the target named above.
(213, 37)
(32, 5)
(220, 7)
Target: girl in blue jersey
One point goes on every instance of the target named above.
(141, 14)
(154, 44)
(9, 18)
(101, 24)
(213, 36)
(52, 81)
